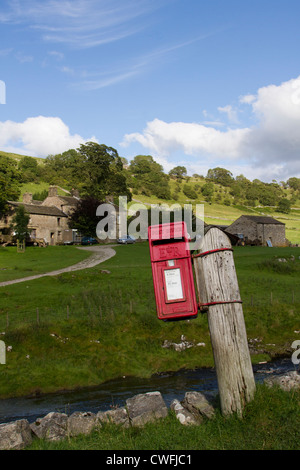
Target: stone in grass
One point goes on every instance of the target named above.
(53, 427)
(117, 416)
(198, 405)
(184, 416)
(146, 407)
(81, 422)
(287, 382)
(15, 435)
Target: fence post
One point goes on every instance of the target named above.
(217, 282)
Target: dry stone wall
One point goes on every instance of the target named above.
(138, 411)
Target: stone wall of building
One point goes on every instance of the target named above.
(245, 227)
(273, 232)
(259, 230)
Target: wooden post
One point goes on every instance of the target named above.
(217, 282)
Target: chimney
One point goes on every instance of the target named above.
(75, 193)
(52, 192)
(109, 199)
(27, 198)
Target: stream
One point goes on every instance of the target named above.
(115, 392)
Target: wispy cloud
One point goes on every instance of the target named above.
(23, 58)
(78, 23)
(137, 66)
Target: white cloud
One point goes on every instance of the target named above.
(247, 99)
(231, 113)
(271, 148)
(39, 136)
(193, 139)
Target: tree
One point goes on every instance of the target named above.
(10, 180)
(102, 171)
(148, 177)
(20, 223)
(189, 191)
(179, 172)
(220, 176)
(208, 190)
(294, 183)
(284, 206)
(84, 218)
(29, 169)
(64, 168)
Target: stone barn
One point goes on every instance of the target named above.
(259, 230)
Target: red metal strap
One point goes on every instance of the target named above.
(211, 251)
(221, 302)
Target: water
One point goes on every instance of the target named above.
(116, 392)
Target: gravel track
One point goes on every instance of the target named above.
(100, 254)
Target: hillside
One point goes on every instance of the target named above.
(19, 157)
(223, 203)
(222, 214)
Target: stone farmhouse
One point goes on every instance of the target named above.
(48, 218)
(258, 230)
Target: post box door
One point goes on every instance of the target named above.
(175, 293)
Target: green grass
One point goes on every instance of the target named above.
(105, 324)
(38, 188)
(270, 422)
(36, 260)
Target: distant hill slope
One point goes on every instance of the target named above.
(18, 157)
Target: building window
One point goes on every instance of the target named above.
(58, 221)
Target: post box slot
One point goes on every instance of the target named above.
(168, 241)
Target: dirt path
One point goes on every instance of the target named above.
(100, 254)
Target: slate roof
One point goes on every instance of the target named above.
(40, 210)
(70, 200)
(263, 219)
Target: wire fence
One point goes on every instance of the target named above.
(105, 307)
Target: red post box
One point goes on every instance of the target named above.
(172, 271)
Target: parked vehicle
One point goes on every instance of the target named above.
(126, 240)
(89, 241)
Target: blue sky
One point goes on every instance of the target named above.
(200, 83)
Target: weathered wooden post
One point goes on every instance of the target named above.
(219, 292)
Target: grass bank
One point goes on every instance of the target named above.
(36, 260)
(270, 422)
(83, 328)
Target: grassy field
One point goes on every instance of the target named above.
(35, 260)
(86, 327)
